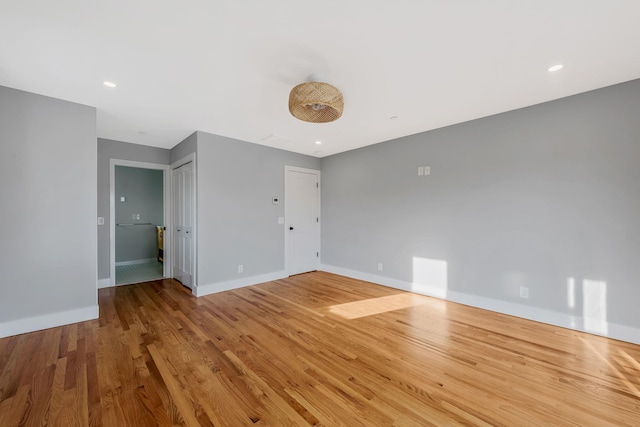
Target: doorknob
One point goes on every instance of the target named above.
(290, 228)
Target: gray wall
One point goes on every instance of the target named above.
(188, 146)
(109, 149)
(237, 223)
(143, 193)
(48, 193)
(532, 197)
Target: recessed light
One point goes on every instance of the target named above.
(556, 67)
(393, 118)
(318, 142)
(109, 84)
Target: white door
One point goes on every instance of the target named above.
(302, 220)
(183, 221)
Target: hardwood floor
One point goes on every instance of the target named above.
(314, 349)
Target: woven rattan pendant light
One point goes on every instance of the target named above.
(316, 102)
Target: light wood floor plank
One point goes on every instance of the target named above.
(311, 350)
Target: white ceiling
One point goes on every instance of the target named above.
(226, 67)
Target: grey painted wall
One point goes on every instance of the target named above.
(48, 210)
(532, 197)
(109, 149)
(188, 146)
(237, 223)
(143, 193)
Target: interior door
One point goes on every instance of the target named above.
(183, 221)
(302, 220)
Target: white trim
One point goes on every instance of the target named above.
(615, 331)
(136, 261)
(166, 182)
(104, 283)
(237, 283)
(287, 168)
(301, 170)
(52, 320)
(169, 263)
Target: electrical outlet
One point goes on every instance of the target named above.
(524, 292)
(427, 170)
(420, 170)
(240, 268)
(379, 266)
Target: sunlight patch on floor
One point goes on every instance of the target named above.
(611, 362)
(369, 307)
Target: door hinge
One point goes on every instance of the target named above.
(317, 219)
(317, 185)
(317, 254)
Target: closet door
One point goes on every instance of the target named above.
(183, 219)
(302, 216)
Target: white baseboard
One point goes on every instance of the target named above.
(136, 261)
(237, 283)
(104, 283)
(609, 330)
(45, 321)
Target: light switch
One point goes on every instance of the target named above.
(100, 220)
(123, 199)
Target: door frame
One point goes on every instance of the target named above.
(166, 183)
(287, 261)
(190, 158)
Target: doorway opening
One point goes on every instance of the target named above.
(139, 212)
